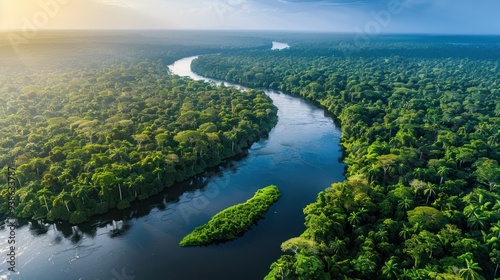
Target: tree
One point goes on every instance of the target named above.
(477, 221)
(405, 231)
(282, 269)
(356, 217)
(443, 171)
(105, 180)
(300, 245)
(405, 274)
(364, 265)
(470, 272)
(427, 114)
(387, 161)
(430, 190)
(63, 197)
(405, 204)
(463, 155)
(339, 246)
(417, 185)
(89, 128)
(374, 172)
(390, 269)
(44, 193)
(432, 243)
(308, 267)
(427, 217)
(140, 139)
(495, 259)
(421, 246)
(81, 192)
(488, 172)
(161, 138)
(320, 226)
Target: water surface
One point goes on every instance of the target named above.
(279, 46)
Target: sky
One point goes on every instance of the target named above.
(368, 16)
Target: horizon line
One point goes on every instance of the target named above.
(248, 30)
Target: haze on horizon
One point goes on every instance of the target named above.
(406, 16)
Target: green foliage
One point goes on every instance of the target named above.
(299, 244)
(309, 267)
(233, 221)
(96, 138)
(428, 218)
(420, 121)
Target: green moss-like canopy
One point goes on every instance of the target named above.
(233, 221)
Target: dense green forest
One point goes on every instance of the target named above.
(420, 121)
(233, 221)
(105, 131)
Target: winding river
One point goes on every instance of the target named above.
(300, 156)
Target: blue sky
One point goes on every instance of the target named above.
(413, 16)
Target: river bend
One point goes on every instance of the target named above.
(300, 156)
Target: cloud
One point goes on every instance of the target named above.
(419, 16)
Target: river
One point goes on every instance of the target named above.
(300, 156)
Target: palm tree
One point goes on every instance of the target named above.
(81, 192)
(374, 172)
(157, 171)
(65, 198)
(417, 185)
(430, 190)
(233, 137)
(471, 210)
(131, 185)
(405, 204)
(420, 173)
(390, 269)
(339, 246)
(478, 221)
(470, 271)
(442, 171)
(44, 193)
(405, 274)
(382, 235)
(354, 218)
(405, 232)
(139, 181)
(402, 168)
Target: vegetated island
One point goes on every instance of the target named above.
(234, 220)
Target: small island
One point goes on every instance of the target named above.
(234, 220)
